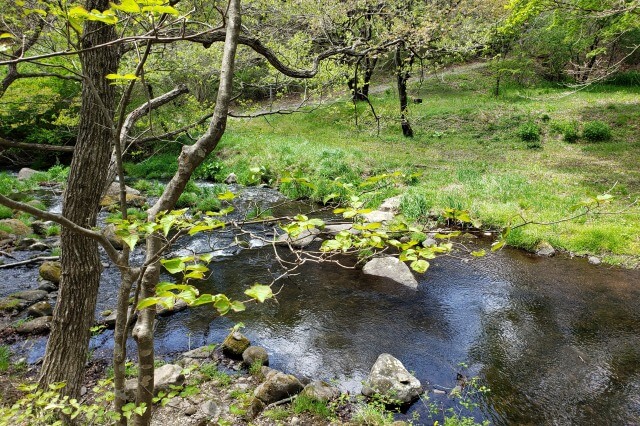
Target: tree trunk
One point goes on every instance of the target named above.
(67, 348)
(402, 76)
(190, 158)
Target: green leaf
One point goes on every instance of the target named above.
(162, 9)
(330, 245)
(479, 253)
(497, 245)
(204, 299)
(368, 226)
(604, 197)
(128, 76)
(237, 306)
(259, 292)
(131, 240)
(6, 35)
(228, 195)
(128, 6)
(145, 303)
(174, 266)
(420, 266)
(194, 275)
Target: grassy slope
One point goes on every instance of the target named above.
(468, 149)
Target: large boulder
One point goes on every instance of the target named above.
(26, 173)
(392, 268)
(391, 204)
(278, 386)
(320, 391)
(163, 378)
(50, 271)
(40, 309)
(255, 354)
(197, 356)
(132, 201)
(235, 344)
(390, 380)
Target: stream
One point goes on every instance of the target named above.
(555, 339)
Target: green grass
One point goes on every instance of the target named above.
(305, 404)
(5, 357)
(470, 156)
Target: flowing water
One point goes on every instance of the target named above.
(555, 339)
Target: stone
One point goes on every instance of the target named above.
(131, 199)
(114, 190)
(16, 227)
(320, 391)
(302, 240)
(392, 268)
(255, 354)
(38, 246)
(278, 386)
(110, 320)
(255, 407)
(336, 229)
(190, 410)
(39, 228)
(163, 377)
(10, 304)
(594, 260)
(210, 409)
(47, 286)
(26, 173)
(378, 216)
(197, 356)
(235, 344)
(391, 204)
(390, 379)
(429, 242)
(31, 296)
(231, 178)
(545, 249)
(50, 271)
(40, 309)
(24, 243)
(35, 326)
(180, 305)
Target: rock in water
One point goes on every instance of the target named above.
(545, 249)
(26, 173)
(389, 379)
(40, 309)
(50, 271)
(391, 267)
(35, 326)
(255, 354)
(234, 345)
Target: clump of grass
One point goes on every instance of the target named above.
(373, 413)
(210, 372)
(52, 230)
(276, 414)
(596, 131)
(305, 404)
(5, 212)
(5, 356)
(529, 132)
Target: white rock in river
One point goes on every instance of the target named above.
(391, 267)
(390, 379)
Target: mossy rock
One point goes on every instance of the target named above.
(50, 271)
(234, 345)
(10, 304)
(15, 227)
(132, 200)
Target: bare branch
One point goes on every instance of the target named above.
(41, 147)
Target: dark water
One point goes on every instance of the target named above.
(557, 340)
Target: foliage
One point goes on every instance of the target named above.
(5, 356)
(46, 407)
(210, 372)
(596, 131)
(305, 404)
(529, 132)
(5, 212)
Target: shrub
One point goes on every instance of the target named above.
(5, 212)
(529, 132)
(570, 132)
(596, 131)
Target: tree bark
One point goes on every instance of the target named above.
(67, 348)
(402, 76)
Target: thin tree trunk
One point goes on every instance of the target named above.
(67, 348)
(190, 158)
(402, 76)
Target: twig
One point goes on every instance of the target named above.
(26, 262)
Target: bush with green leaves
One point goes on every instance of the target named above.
(5, 212)
(529, 132)
(596, 131)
